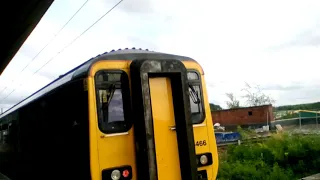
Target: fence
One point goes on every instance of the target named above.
(300, 121)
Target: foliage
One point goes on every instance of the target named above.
(215, 107)
(280, 157)
(245, 133)
(233, 102)
(310, 106)
(255, 97)
(286, 115)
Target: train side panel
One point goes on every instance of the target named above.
(48, 138)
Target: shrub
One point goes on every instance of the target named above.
(280, 157)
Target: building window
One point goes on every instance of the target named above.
(250, 113)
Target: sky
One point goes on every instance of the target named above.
(273, 44)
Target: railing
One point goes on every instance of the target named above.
(300, 121)
(245, 141)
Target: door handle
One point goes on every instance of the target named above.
(173, 128)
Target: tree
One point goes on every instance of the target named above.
(310, 106)
(233, 102)
(254, 96)
(214, 107)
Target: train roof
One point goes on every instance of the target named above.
(82, 71)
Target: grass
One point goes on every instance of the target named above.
(280, 157)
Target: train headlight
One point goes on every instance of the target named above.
(203, 159)
(115, 175)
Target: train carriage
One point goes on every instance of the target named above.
(126, 114)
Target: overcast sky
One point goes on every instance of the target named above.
(274, 44)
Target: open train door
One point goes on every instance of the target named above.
(163, 129)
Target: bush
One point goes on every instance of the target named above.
(280, 157)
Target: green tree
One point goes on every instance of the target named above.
(310, 106)
(215, 107)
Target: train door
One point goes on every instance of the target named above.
(163, 130)
(165, 137)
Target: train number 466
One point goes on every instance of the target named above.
(201, 143)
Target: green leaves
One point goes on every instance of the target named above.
(214, 107)
(280, 157)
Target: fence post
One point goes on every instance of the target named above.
(268, 118)
(317, 119)
(300, 120)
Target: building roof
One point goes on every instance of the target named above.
(244, 108)
(19, 18)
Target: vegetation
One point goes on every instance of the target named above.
(253, 97)
(233, 102)
(246, 133)
(215, 107)
(310, 106)
(280, 157)
(286, 115)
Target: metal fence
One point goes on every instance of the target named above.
(300, 121)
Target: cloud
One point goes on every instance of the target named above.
(310, 37)
(282, 88)
(137, 6)
(10, 101)
(303, 95)
(271, 43)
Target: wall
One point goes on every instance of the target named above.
(257, 115)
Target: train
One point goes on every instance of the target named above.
(125, 114)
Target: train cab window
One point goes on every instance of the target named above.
(196, 100)
(113, 101)
(115, 110)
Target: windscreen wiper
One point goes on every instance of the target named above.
(111, 90)
(194, 95)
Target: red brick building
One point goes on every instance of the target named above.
(258, 115)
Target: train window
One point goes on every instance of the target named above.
(113, 101)
(193, 76)
(196, 100)
(115, 110)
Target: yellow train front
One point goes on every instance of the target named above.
(130, 114)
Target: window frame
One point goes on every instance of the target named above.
(119, 126)
(197, 82)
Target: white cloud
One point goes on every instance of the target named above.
(270, 43)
